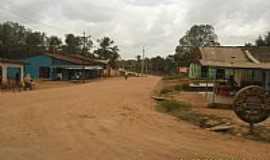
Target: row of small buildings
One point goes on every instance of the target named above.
(247, 66)
(53, 67)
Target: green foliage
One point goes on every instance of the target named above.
(174, 77)
(16, 39)
(197, 36)
(184, 111)
(18, 42)
(178, 87)
(107, 50)
(261, 41)
(173, 106)
(54, 44)
(165, 91)
(73, 44)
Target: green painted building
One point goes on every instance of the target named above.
(246, 65)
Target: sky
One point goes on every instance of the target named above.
(155, 24)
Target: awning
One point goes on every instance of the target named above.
(78, 67)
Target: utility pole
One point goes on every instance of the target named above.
(142, 67)
(85, 38)
(84, 43)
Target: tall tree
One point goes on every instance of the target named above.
(108, 51)
(73, 44)
(54, 44)
(35, 42)
(12, 38)
(87, 45)
(260, 42)
(197, 36)
(267, 39)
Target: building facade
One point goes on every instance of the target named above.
(62, 67)
(10, 70)
(245, 65)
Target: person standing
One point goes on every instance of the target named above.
(126, 75)
(17, 81)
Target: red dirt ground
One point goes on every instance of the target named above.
(112, 119)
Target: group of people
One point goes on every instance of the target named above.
(26, 84)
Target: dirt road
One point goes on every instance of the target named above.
(112, 120)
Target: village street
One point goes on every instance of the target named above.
(110, 119)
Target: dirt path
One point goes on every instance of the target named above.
(112, 119)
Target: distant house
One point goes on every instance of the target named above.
(246, 65)
(64, 67)
(9, 69)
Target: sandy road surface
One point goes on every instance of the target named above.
(111, 119)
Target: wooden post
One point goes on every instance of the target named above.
(4, 74)
(251, 128)
(214, 93)
(22, 74)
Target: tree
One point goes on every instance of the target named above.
(170, 65)
(12, 38)
(248, 44)
(73, 44)
(54, 44)
(267, 39)
(260, 42)
(87, 45)
(157, 65)
(139, 63)
(107, 51)
(35, 42)
(197, 36)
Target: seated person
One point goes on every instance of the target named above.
(28, 82)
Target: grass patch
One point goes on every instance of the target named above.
(182, 87)
(165, 91)
(183, 111)
(174, 77)
(173, 106)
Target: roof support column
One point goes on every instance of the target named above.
(4, 73)
(22, 73)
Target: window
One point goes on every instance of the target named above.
(204, 72)
(220, 74)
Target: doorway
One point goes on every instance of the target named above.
(44, 72)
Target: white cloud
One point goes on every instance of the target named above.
(156, 24)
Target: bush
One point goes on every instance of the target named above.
(173, 77)
(173, 106)
(182, 87)
(178, 87)
(165, 91)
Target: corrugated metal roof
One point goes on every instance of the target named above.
(77, 59)
(78, 67)
(262, 54)
(11, 61)
(225, 54)
(234, 57)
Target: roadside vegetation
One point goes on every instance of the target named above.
(185, 110)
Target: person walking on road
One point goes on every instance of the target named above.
(126, 75)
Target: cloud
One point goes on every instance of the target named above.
(155, 24)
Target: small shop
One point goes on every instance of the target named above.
(64, 67)
(11, 70)
(229, 69)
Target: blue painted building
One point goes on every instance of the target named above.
(11, 70)
(63, 67)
